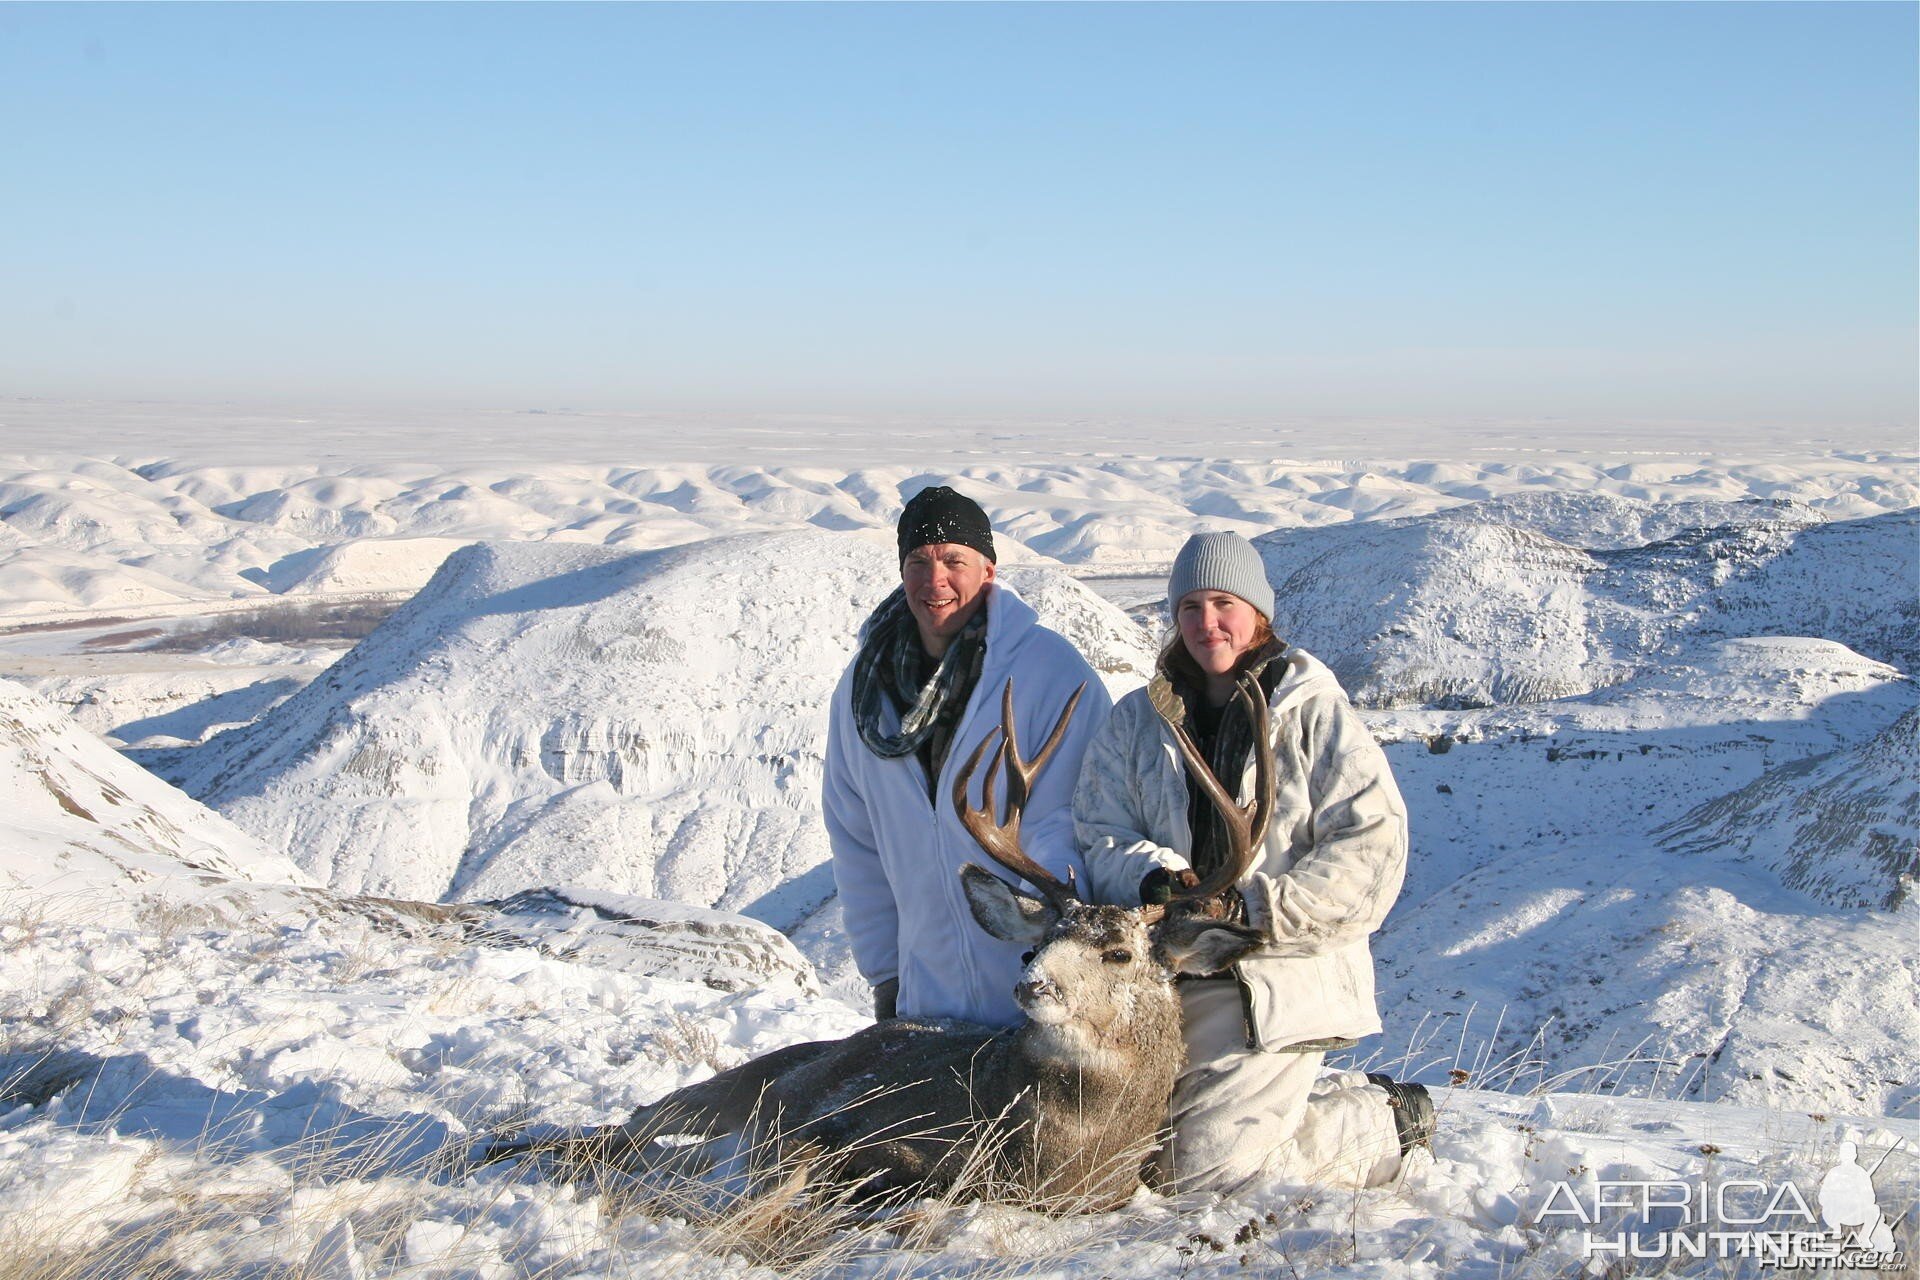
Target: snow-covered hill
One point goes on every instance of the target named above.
(1602, 520)
(87, 836)
(364, 565)
(156, 700)
(649, 723)
(1524, 600)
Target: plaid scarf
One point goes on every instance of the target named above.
(890, 665)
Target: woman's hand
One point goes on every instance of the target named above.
(1160, 887)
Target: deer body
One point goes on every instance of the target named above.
(1059, 1112)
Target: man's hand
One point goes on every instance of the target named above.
(886, 997)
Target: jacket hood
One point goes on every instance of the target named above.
(1008, 617)
(1300, 676)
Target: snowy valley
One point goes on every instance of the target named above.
(353, 814)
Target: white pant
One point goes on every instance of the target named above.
(1238, 1113)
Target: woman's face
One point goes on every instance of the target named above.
(1217, 627)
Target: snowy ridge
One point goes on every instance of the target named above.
(1477, 606)
(1855, 581)
(671, 940)
(1439, 611)
(89, 838)
(362, 566)
(79, 535)
(163, 705)
(1596, 520)
(87, 834)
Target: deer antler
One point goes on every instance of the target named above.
(1246, 824)
(1001, 840)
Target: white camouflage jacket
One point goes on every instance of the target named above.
(897, 854)
(1334, 859)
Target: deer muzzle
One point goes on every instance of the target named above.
(1041, 998)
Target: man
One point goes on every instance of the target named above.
(923, 691)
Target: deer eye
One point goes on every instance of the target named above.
(1026, 957)
(1117, 956)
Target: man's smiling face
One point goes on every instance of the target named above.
(946, 584)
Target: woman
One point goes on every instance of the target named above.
(1253, 1100)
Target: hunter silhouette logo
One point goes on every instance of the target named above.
(1849, 1207)
(1773, 1224)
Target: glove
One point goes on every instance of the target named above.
(886, 997)
(1157, 886)
(1157, 889)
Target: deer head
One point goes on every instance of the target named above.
(1096, 970)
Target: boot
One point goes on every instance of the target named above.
(1413, 1116)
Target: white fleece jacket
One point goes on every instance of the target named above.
(897, 853)
(1334, 859)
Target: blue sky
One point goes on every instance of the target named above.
(1640, 211)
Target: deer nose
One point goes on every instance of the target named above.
(1035, 989)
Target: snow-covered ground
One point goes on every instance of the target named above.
(1653, 715)
(302, 1098)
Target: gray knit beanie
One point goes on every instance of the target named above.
(1220, 562)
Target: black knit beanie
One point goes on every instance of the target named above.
(941, 515)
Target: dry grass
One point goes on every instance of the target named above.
(691, 1042)
(798, 1210)
(342, 1208)
(168, 917)
(783, 1210)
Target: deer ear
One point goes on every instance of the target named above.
(1004, 912)
(1197, 945)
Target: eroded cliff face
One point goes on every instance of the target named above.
(650, 724)
(1843, 827)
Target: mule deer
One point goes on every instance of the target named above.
(1059, 1112)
